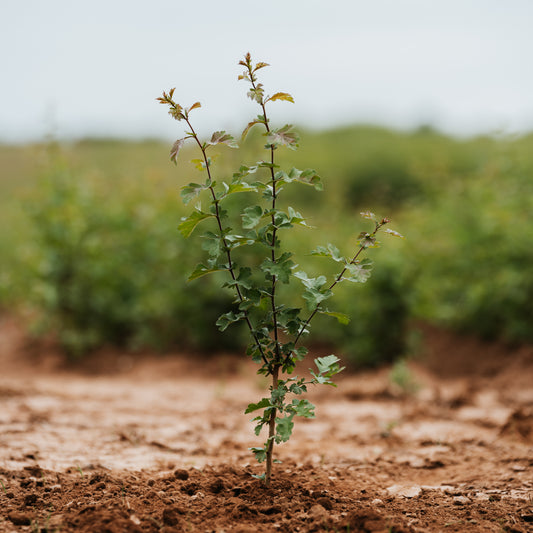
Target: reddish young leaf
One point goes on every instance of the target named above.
(221, 137)
(247, 129)
(176, 147)
(261, 64)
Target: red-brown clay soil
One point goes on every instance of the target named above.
(159, 444)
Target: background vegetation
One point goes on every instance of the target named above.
(89, 247)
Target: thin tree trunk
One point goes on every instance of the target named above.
(271, 430)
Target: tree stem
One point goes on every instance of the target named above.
(271, 430)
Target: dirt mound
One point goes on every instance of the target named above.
(129, 443)
(226, 498)
(520, 425)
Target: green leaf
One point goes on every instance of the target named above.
(198, 163)
(303, 408)
(325, 364)
(212, 244)
(188, 192)
(314, 297)
(289, 319)
(176, 147)
(357, 272)
(189, 223)
(327, 367)
(284, 427)
(260, 456)
(240, 187)
(331, 251)
(202, 270)
(367, 240)
(281, 268)
(297, 388)
(242, 280)
(265, 402)
(300, 353)
(307, 177)
(227, 319)
(252, 298)
(341, 317)
(310, 283)
(221, 137)
(251, 216)
(310, 177)
(236, 241)
(295, 217)
(314, 293)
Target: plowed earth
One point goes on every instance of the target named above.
(159, 444)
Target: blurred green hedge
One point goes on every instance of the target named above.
(98, 257)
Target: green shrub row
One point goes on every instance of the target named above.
(104, 262)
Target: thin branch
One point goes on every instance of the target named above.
(225, 242)
(379, 225)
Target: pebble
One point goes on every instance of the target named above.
(461, 500)
(318, 512)
(19, 519)
(181, 474)
(406, 491)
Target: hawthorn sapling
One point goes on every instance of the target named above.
(275, 327)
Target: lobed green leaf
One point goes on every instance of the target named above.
(188, 224)
(331, 251)
(260, 456)
(281, 268)
(251, 216)
(188, 192)
(284, 427)
(203, 270)
(303, 408)
(358, 272)
(265, 402)
(227, 319)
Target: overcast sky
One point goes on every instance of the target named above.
(76, 68)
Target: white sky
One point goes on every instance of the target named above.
(76, 68)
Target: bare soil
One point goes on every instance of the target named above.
(127, 443)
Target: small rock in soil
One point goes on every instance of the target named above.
(181, 474)
(326, 503)
(317, 512)
(19, 519)
(461, 500)
(170, 517)
(406, 491)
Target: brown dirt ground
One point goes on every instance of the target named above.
(159, 444)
